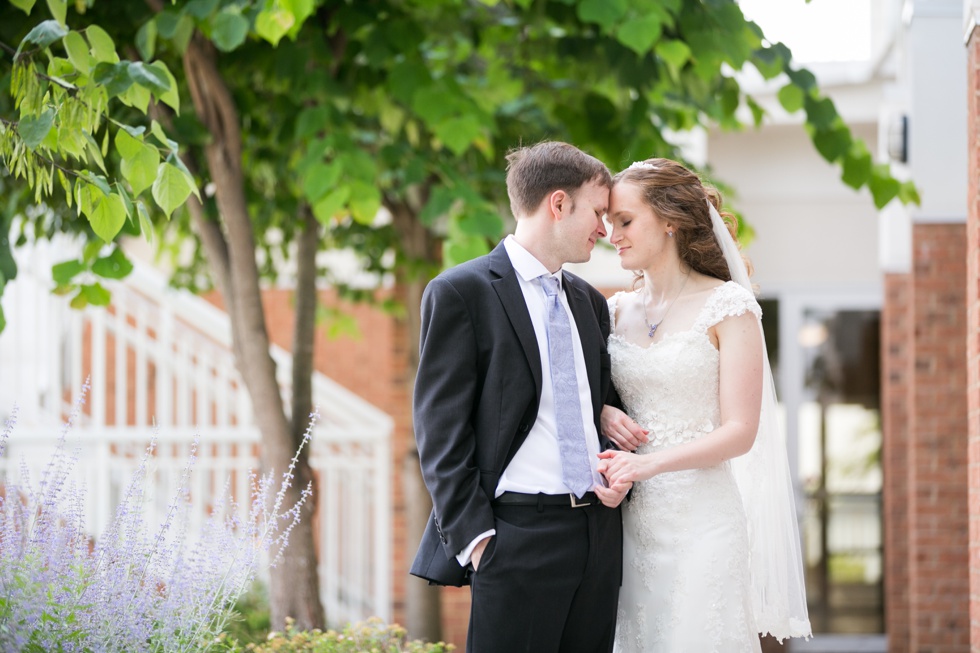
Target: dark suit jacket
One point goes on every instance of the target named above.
(477, 393)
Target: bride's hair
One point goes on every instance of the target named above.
(677, 196)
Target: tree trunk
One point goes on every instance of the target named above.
(294, 584)
(310, 611)
(422, 601)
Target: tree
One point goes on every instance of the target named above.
(308, 116)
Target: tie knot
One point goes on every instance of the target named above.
(550, 285)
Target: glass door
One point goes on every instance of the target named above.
(826, 362)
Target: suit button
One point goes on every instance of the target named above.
(524, 428)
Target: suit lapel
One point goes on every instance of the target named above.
(588, 331)
(511, 297)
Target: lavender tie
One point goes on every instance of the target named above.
(576, 473)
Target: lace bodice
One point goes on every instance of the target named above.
(671, 386)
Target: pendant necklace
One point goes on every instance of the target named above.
(653, 327)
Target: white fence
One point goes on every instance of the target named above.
(161, 357)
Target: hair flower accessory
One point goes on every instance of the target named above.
(641, 165)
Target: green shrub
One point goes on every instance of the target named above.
(371, 636)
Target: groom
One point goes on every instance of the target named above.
(512, 377)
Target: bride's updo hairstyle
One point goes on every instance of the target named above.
(677, 197)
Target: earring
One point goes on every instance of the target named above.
(670, 234)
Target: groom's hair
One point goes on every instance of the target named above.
(536, 171)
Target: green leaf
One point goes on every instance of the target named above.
(675, 54)
(146, 226)
(758, 113)
(909, 194)
(791, 97)
(832, 143)
(856, 167)
(140, 170)
(3, 320)
(161, 136)
(802, 78)
(106, 214)
(136, 96)
(171, 188)
(126, 144)
(103, 49)
(459, 133)
(272, 24)
(319, 179)
(63, 273)
(820, 112)
(461, 247)
(884, 188)
(96, 295)
(603, 12)
(770, 61)
(96, 153)
(201, 9)
(170, 97)
(174, 159)
(640, 33)
(58, 9)
(440, 201)
(78, 53)
(33, 129)
(23, 5)
(146, 39)
(79, 301)
(167, 22)
(365, 201)
(149, 77)
(482, 223)
(228, 30)
(311, 121)
(43, 35)
(113, 76)
(114, 266)
(330, 205)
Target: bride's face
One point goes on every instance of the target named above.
(638, 234)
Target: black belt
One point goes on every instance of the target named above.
(566, 500)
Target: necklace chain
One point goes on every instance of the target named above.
(653, 327)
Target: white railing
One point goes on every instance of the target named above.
(160, 360)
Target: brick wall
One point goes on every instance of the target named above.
(973, 329)
(937, 465)
(895, 377)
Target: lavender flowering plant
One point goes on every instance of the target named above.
(133, 588)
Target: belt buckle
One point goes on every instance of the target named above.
(576, 503)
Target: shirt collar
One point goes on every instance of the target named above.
(524, 262)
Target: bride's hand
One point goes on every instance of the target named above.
(619, 467)
(621, 429)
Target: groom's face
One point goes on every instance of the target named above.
(581, 224)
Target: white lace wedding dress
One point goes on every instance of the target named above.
(685, 546)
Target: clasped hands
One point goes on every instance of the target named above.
(620, 468)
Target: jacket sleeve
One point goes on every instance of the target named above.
(446, 391)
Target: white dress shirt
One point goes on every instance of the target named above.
(536, 467)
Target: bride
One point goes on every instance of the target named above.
(711, 548)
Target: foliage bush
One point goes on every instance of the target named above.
(134, 588)
(371, 636)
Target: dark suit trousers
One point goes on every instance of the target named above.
(548, 581)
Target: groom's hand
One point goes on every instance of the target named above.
(613, 495)
(478, 550)
(621, 429)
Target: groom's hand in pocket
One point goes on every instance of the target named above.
(477, 554)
